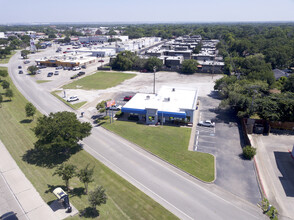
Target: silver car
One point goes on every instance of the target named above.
(206, 123)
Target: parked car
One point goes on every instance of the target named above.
(56, 73)
(26, 61)
(19, 67)
(81, 73)
(59, 68)
(38, 71)
(72, 99)
(114, 107)
(20, 72)
(128, 98)
(206, 123)
(84, 66)
(50, 74)
(76, 68)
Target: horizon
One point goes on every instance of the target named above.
(133, 12)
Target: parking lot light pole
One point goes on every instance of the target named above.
(154, 69)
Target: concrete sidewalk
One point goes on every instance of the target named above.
(21, 190)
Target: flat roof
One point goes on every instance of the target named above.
(168, 99)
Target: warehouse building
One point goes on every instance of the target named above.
(169, 105)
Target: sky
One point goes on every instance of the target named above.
(139, 11)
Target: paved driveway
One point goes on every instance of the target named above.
(232, 172)
(276, 168)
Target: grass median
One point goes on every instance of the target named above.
(124, 200)
(169, 143)
(100, 80)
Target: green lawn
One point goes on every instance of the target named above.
(99, 80)
(6, 60)
(124, 200)
(73, 106)
(169, 143)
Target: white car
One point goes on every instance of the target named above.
(206, 123)
(76, 68)
(114, 107)
(72, 99)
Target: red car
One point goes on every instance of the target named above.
(127, 98)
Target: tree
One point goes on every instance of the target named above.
(5, 84)
(66, 172)
(153, 62)
(289, 84)
(189, 66)
(9, 93)
(86, 176)
(101, 106)
(97, 197)
(66, 39)
(124, 61)
(33, 69)
(60, 132)
(3, 73)
(30, 110)
(24, 54)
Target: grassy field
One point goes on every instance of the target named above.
(6, 60)
(99, 80)
(124, 200)
(169, 143)
(73, 106)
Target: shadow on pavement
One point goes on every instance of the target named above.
(285, 164)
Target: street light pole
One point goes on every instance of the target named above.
(154, 69)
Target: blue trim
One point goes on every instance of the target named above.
(172, 114)
(133, 110)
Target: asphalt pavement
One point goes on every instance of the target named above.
(180, 193)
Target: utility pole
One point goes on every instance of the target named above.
(154, 69)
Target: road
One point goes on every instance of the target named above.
(183, 195)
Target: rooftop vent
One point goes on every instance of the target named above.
(147, 97)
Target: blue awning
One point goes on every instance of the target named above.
(133, 110)
(172, 114)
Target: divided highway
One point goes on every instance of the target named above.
(180, 193)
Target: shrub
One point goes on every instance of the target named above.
(119, 114)
(249, 152)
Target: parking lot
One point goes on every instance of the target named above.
(233, 173)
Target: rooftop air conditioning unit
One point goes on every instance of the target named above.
(147, 97)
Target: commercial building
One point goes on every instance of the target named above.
(169, 105)
(69, 60)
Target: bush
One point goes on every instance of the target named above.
(249, 152)
(119, 114)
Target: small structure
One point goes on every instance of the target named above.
(63, 197)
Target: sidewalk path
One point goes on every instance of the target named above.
(17, 194)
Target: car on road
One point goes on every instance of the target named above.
(114, 107)
(26, 61)
(56, 73)
(72, 99)
(206, 123)
(128, 98)
(50, 74)
(19, 67)
(81, 73)
(20, 72)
